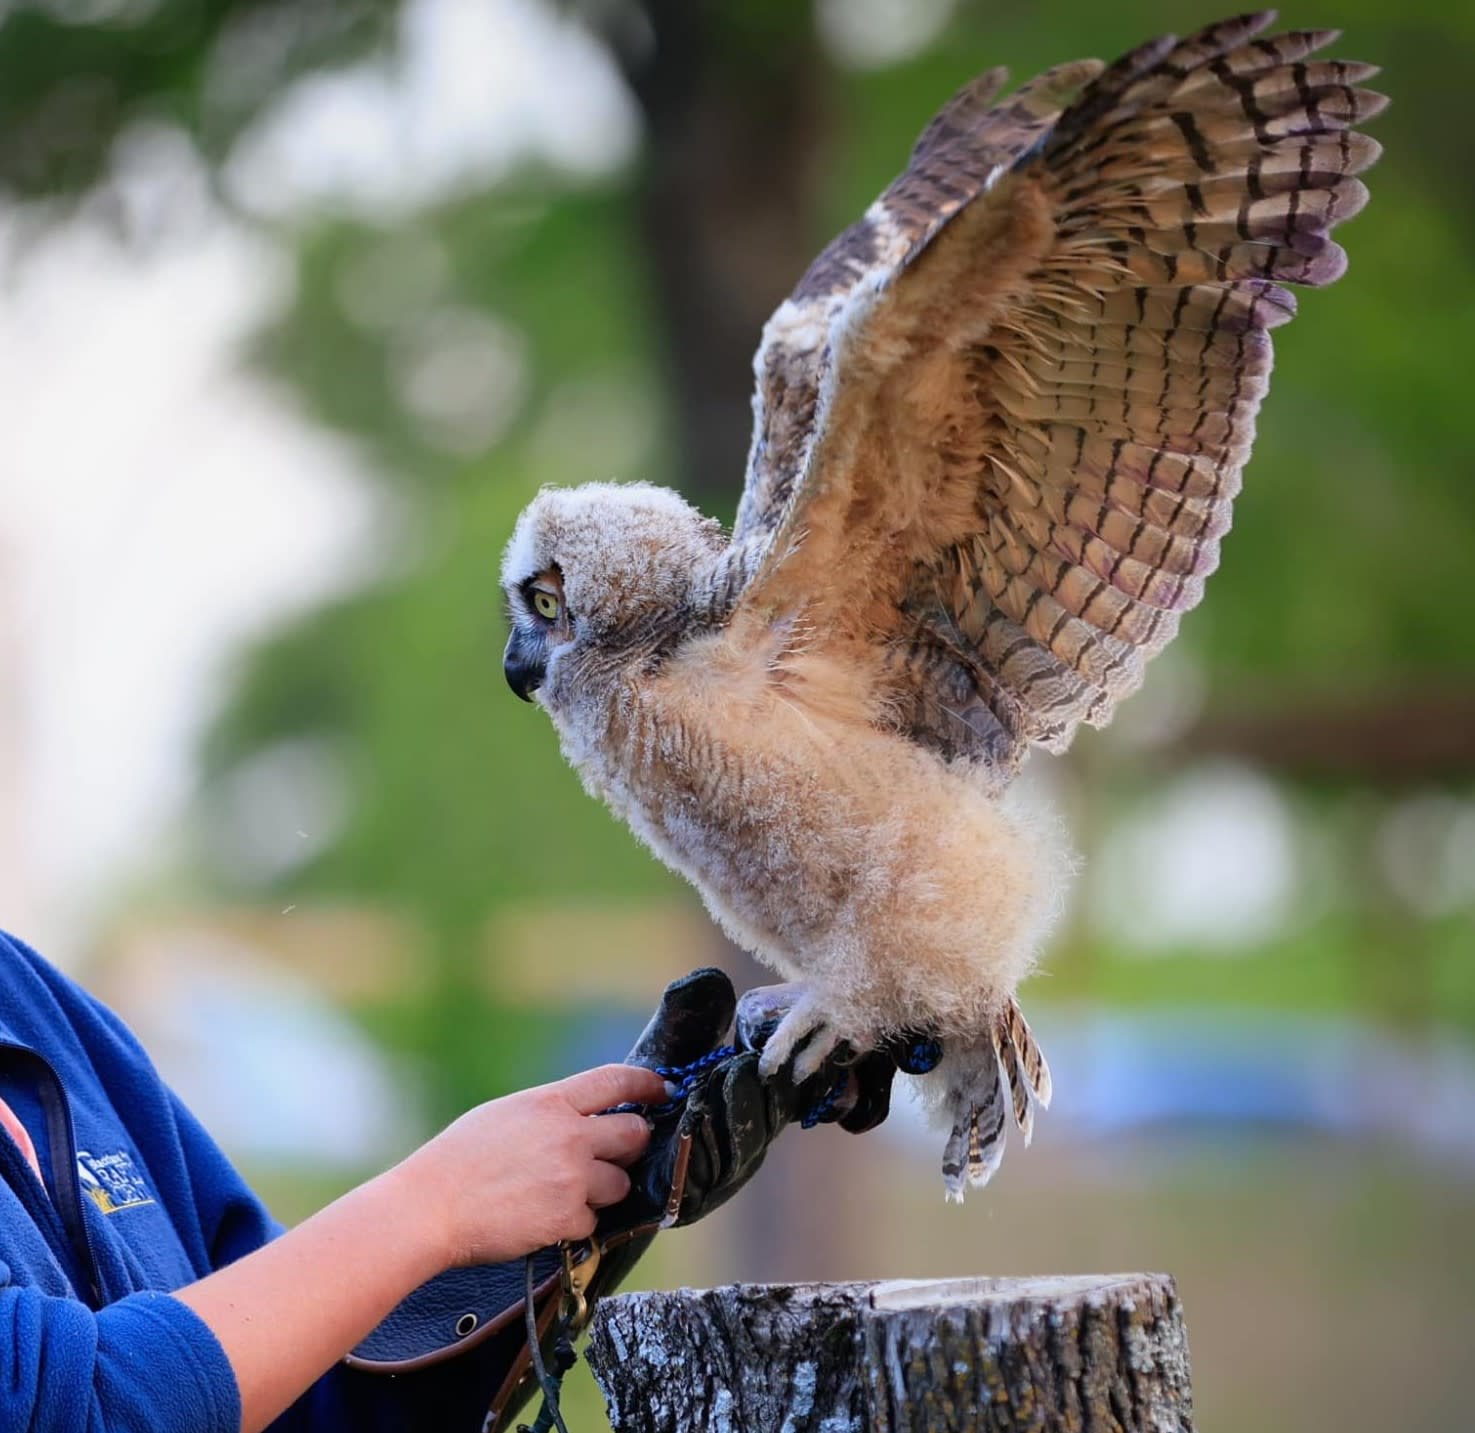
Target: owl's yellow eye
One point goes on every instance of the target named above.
(545, 604)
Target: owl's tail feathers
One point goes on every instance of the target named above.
(986, 1082)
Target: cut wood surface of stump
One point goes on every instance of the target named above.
(1104, 1352)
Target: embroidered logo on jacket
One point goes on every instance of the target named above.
(112, 1181)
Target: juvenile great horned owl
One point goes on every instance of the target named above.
(999, 426)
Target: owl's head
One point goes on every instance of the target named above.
(595, 566)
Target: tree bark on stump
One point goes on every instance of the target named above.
(1082, 1354)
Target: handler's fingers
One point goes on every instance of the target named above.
(608, 1184)
(620, 1139)
(609, 1085)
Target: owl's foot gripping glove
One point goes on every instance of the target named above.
(706, 1143)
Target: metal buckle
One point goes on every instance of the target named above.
(577, 1273)
(577, 1276)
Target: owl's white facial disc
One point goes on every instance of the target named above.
(598, 570)
(622, 550)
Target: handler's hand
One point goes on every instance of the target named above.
(532, 1168)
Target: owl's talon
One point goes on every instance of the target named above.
(801, 1043)
(822, 1045)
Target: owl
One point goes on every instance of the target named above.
(999, 426)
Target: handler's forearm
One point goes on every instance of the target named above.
(286, 1313)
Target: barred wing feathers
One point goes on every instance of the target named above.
(1001, 422)
(963, 149)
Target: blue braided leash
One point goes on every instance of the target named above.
(917, 1057)
(824, 1106)
(684, 1077)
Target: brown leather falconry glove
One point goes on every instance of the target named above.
(707, 1142)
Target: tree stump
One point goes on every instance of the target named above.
(1079, 1354)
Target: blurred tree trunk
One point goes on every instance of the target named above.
(1418, 734)
(734, 101)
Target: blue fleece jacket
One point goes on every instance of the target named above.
(142, 1203)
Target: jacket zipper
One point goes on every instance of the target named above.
(64, 1217)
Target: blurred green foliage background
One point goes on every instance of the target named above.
(536, 321)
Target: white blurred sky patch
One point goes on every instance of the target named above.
(462, 375)
(1210, 862)
(868, 34)
(472, 90)
(157, 508)
(1426, 849)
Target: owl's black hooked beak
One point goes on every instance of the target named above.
(523, 669)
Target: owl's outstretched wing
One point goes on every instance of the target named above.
(1001, 421)
(964, 149)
